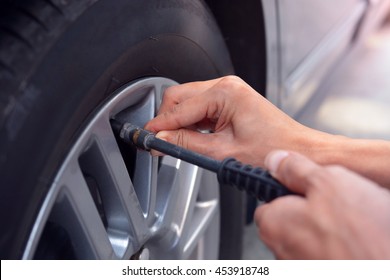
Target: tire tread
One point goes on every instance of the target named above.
(27, 31)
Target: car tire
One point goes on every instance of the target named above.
(60, 62)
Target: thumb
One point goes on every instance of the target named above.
(293, 170)
(186, 138)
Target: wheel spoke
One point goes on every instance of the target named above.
(122, 203)
(145, 182)
(204, 216)
(185, 217)
(113, 201)
(82, 220)
(202, 220)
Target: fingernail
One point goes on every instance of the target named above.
(273, 160)
(163, 135)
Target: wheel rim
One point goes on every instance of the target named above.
(109, 201)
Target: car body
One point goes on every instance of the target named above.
(299, 42)
(69, 188)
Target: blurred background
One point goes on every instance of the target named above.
(353, 101)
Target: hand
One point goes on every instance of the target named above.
(245, 125)
(340, 214)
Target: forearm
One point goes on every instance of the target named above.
(370, 158)
(248, 127)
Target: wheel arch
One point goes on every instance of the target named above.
(243, 27)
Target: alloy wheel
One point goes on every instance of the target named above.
(111, 201)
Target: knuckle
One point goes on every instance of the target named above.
(230, 82)
(269, 233)
(181, 138)
(170, 115)
(234, 87)
(165, 115)
(232, 78)
(170, 93)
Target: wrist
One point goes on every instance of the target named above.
(323, 148)
(370, 158)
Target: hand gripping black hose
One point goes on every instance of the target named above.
(254, 180)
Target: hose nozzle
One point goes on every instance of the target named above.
(132, 134)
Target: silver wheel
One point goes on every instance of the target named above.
(109, 201)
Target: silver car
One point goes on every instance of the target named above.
(69, 188)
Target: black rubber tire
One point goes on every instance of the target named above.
(59, 60)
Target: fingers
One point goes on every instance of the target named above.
(177, 94)
(193, 103)
(286, 225)
(188, 139)
(187, 113)
(295, 171)
(200, 109)
(282, 225)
